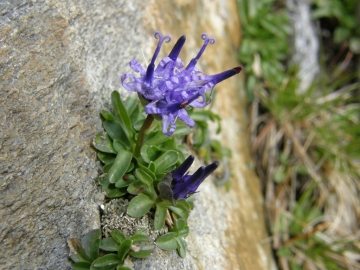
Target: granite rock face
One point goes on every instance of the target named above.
(59, 62)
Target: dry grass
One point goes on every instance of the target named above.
(310, 177)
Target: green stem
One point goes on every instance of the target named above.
(140, 140)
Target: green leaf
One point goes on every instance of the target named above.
(118, 236)
(167, 241)
(166, 160)
(107, 260)
(103, 143)
(120, 146)
(106, 158)
(144, 177)
(181, 210)
(81, 266)
(154, 152)
(144, 154)
(120, 166)
(123, 268)
(88, 239)
(109, 244)
(143, 253)
(180, 224)
(160, 215)
(94, 250)
(182, 130)
(139, 205)
(136, 187)
(131, 167)
(107, 116)
(116, 132)
(114, 192)
(152, 167)
(107, 167)
(76, 258)
(121, 114)
(138, 238)
(181, 247)
(124, 249)
(138, 124)
(130, 105)
(147, 170)
(125, 181)
(80, 251)
(184, 231)
(156, 138)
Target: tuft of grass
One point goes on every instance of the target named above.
(306, 147)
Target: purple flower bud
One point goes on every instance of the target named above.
(177, 48)
(183, 184)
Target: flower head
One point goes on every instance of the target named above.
(184, 184)
(170, 88)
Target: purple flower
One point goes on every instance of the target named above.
(183, 184)
(170, 88)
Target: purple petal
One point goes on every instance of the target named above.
(183, 116)
(168, 120)
(135, 66)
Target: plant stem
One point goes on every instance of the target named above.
(140, 140)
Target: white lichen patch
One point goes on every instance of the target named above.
(115, 218)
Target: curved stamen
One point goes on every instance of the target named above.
(150, 70)
(177, 48)
(207, 40)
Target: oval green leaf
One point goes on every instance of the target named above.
(167, 241)
(121, 164)
(144, 177)
(103, 143)
(143, 253)
(115, 131)
(107, 260)
(139, 205)
(120, 146)
(125, 181)
(124, 249)
(121, 114)
(81, 266)
(114, 192)
(136, 187)
(165, 161)
(160, 215)
(143, 153)
(94, 250)
(138, 238)
(109, 244)
(118, 236)
(181, 247)
(107, 116)
(106, 158)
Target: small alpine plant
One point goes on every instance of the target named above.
(169, 88)
(144, 161)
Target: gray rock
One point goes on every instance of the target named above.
(59, 62)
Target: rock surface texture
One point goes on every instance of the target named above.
(59, 62)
